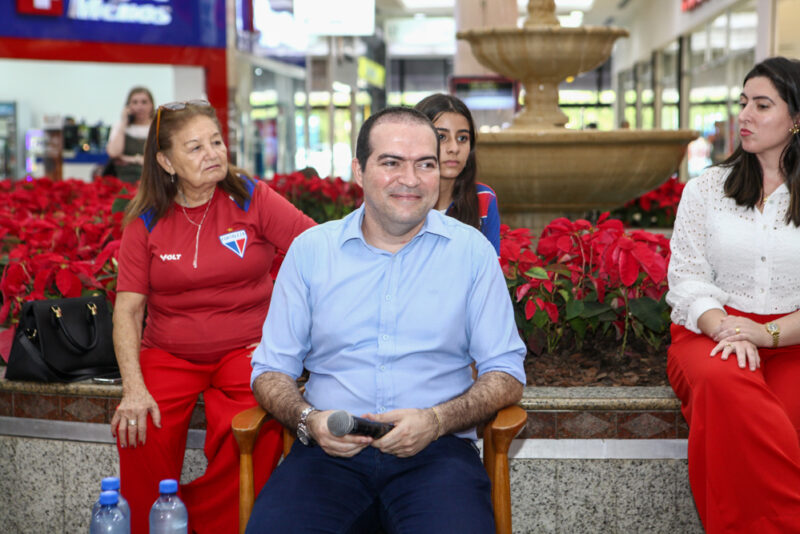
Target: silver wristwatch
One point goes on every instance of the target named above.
(302, 428)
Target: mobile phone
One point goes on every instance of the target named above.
(131, 118)
(109, 380)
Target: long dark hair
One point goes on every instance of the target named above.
(156, 188)
(465, 194)
(745, 183)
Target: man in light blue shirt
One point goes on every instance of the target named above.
(386, 309)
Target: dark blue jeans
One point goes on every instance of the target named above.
(442, 489)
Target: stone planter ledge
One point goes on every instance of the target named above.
(553, 412)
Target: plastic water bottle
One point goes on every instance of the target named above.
(108, 519)
(112, 484)
(168, 514)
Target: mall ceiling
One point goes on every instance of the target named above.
(600, 12)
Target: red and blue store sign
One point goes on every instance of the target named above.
(195, 23)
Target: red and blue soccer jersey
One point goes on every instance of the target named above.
(202, 313)
(489, 214)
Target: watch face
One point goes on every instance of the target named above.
(302, 434)
(772, 328)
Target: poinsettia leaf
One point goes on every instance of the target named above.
(574, 308)
(6, 339)
(522, 291)
(537, 273)
(594, 309)
(558, 268)
(628, 268)
(530, 309)
(68, 284)
(653, 264)
(540, 318)
(5, 309)
(578, 325)
(552, 311)
(650, 313)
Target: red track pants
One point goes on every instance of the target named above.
(213, 499)
(744, 450)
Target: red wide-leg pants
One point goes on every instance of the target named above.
(744, 449)
(212, 499)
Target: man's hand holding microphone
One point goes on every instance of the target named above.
(402, 433)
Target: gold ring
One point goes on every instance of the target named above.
(738, 329)
(131, 422)
(728, 345)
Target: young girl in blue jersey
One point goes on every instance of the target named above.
(460, 196)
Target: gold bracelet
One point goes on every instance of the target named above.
(438, 423)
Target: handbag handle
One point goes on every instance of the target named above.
(80, 347)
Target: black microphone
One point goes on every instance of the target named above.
(341, 423)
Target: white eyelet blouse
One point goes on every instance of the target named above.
(729, 255)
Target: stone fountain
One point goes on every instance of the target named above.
(540, 169)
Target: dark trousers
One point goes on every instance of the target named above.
(442, 489)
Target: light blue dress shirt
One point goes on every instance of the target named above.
(381, 331)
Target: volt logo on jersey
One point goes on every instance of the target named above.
(235, 241)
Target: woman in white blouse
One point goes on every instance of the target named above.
(734, 280)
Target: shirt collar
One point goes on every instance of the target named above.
(435, 223)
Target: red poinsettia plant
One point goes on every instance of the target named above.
(322, 199)
(654, 209)
(61, 239)
(57, 239)
(581, 280)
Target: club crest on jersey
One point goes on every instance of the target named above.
(235, 241)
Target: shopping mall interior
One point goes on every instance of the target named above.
(295, 79)
(592, 118)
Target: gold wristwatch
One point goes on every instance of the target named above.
(775, 331)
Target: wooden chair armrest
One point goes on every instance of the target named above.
(246, 425)
(497, 438)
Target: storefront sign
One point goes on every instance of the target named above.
(158, 13)
(154, 22)
(53, 8)
(371, 72)
(689, 5)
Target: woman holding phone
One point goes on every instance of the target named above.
(126, 141)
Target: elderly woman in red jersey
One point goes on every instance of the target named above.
(193, 291)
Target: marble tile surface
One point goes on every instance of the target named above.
(8, 448)
(645, 496)
(585, 496)
(38, 487)
(533, 496)
(685, 519)
(194, 465)
(50, 485)
(84, 466)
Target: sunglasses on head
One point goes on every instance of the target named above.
(175, 106)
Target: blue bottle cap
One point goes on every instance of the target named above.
(109, 497)
(110, 483)
(168, 485)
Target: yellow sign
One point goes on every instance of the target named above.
(371, 72)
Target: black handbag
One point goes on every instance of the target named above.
(63, 340)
